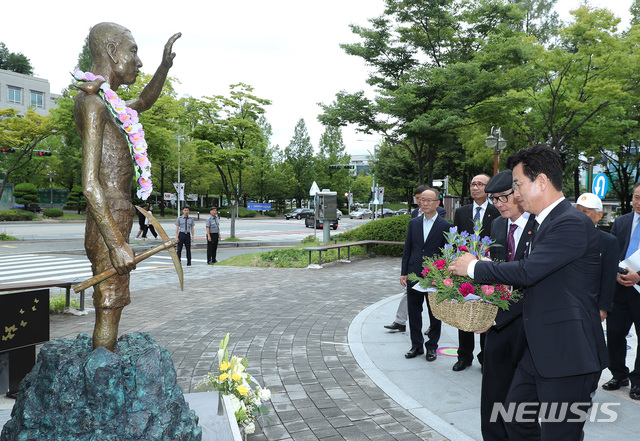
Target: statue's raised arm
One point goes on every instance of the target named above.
(152, 90)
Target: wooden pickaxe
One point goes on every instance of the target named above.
(168, 245)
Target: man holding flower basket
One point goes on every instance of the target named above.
(504, 342)
(565, 350)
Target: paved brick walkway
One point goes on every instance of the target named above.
(292, 326)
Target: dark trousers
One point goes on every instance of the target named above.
(149, 228)
(626, 311)
(502, 352)
(529, 387)
(415, 299)
(212, 247)
(184, 239)
(466, 344)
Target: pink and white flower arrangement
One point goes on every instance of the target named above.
(461, 288)
(130, 125)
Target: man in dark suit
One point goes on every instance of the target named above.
(626, 304)
(425, 237)
(400, 322)
(464, 219)
(591, 205)
(565, 350)
(504, 342)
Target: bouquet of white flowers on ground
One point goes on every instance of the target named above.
(233, 380)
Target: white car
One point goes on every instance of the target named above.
(361, 213)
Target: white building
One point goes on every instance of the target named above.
(23, 92)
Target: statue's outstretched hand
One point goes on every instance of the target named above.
(169, 55)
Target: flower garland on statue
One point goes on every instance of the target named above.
(130, 125)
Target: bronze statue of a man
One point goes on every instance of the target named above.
(107, 169)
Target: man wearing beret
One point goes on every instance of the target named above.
(504, 342)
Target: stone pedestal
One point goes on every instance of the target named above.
(76, 393)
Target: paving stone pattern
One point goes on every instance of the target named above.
(292, 326)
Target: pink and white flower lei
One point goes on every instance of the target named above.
(132, 128)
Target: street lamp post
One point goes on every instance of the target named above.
(179, 138)
(496, 142)
(51, 176)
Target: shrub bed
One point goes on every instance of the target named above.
(390, 229)
(16, 215)
(53, 212)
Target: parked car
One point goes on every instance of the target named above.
(35, 209)
(361, 213)
(386, 212)
(338, 214)
(308, 222)
(403, 211)
(299, 213)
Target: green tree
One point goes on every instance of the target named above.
(299, 154)
(85, 59)
(434, 62)
(22, 134)
(332, 152)
(26, 194)
(225, 135)
(75, 200)
(584, 84)
(16, 62)
(396, 168)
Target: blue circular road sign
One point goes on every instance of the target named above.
(600, 185)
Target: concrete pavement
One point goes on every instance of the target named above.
(316, 338)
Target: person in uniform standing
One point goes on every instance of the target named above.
(213, 235)
(185, 234)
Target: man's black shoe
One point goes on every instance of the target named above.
(634, 393)
(431, 354)
(460, 366)
(414, 352)
(396, 327)
(427, 331)
(615, 383)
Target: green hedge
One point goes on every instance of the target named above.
(391, 228)
(53, 212)
(242, 212)
(16, 215)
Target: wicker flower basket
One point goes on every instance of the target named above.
(474, 315)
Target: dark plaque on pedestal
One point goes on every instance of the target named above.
(24, 323)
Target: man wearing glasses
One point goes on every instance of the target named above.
(504, 342)
(565, 349)
(464, 219)
(425, 237)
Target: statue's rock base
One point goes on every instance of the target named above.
(76, 393)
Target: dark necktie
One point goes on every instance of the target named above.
(533, 236)
(476, 218)
(511, 243)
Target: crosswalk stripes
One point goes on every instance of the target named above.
(38, 267)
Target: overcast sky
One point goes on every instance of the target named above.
(287, 50)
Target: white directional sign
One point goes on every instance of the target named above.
(314, 189)
(600, 185)
(179, 189)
